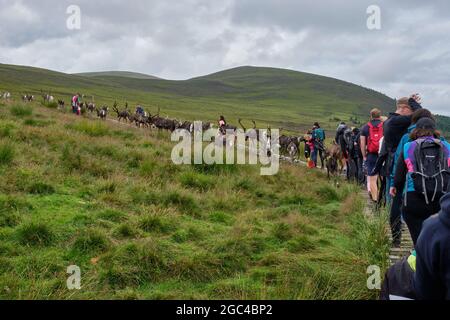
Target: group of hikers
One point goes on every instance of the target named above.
(406, 161)
(414, 162)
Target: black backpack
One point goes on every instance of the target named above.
(431, 172)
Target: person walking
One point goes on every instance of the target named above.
(318, 137)
(371, 135)
(75, 103)
(432, 277)
(394, 128)
(423, 171)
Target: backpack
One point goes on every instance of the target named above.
(430, 174)
(375, 135)
(319, 134)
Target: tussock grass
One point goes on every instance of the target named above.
(7, 130)
(7, 152)
(125, 230)
(21, 111)
(51, 105)
(35, 234)
(91, 128)
(197, 181)
(155, 223)
(41, 188)
(184, 202)
(91, 241)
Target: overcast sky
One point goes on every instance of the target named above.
(187, 38)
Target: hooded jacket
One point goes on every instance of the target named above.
(432, 278)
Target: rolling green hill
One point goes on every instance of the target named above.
(283, 98)
(124, 74)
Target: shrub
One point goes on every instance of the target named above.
(35, 234)
(6, 153)
(21, 111)
(91, 241)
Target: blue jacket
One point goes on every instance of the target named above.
(432, 278)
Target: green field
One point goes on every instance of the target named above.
(283, 98)
(107, 198)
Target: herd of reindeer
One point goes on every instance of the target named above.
(332, 158)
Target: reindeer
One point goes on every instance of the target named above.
(27, 98)
(102, 113)
(61, 104)
(47, 97)
(186, 125)
(253, 134)
(334, 160)
(290, 145)
(121, 115)
(91, 107)
(163, 123)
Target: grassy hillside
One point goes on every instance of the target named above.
(124, 74)
(283, 98)
(106, 197)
